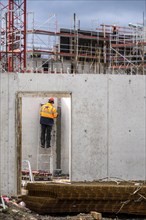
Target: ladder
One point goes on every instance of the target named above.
(27, 166)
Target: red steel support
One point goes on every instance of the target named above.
(16, 36)
(25, 32)
(10, 34)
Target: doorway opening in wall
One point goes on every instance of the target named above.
(35, 163)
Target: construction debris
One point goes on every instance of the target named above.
(15, 210)
(38, 175)
(2, 204)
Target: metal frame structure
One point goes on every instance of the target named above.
(127, 50)
(116, 49)
(13, 36)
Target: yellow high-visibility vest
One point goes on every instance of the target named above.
(48, 111)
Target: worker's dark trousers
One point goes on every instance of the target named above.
(46, 135)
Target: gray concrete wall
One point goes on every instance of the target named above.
(65, 134)
(40, 158)
(107, 124)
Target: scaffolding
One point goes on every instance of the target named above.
(42, 42)
(72, 45)
(127, 50)
(111, 48)
(49, 49)
(13, 36)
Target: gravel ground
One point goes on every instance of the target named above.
(14, 212)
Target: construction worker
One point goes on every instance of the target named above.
(47, 114)
(114, 30)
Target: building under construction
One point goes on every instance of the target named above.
(97, 78)
(109, 48)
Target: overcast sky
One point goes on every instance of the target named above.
(89, 12)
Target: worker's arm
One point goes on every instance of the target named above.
(55, 114)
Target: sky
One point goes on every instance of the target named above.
(89, 13)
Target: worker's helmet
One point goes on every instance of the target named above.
(51, 100)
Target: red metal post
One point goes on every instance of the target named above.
(10, 34)
(25, 33)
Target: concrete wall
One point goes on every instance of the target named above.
(36, 64)
(31, 150)
(65, 134)
(107, 124)
(42, 158)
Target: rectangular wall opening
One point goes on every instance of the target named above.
(31, 156)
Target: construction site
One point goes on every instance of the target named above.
(47, 48)
(97, 159)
